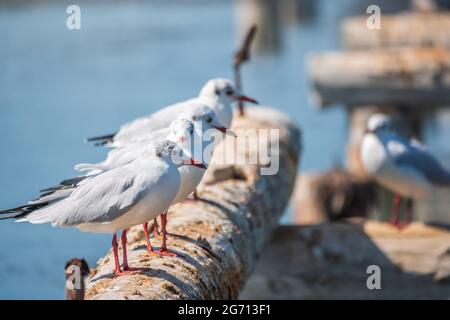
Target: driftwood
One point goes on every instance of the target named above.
(402, 30)
(330, 261)
(406, 77)
(218, 239)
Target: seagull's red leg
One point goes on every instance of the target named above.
(408, 213)
(156, 232)
(395, 218)
(163, 250)
(126, 268)
(147, 239)
(117, 270)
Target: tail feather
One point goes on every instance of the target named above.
(15, 216)
(101, 140)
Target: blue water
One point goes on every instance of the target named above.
(59, 86)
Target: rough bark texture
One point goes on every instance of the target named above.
(406, 77)
(329, 261)
(218, 239)
(402, 30)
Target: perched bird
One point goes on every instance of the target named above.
(188, 134)
(218, 94)
(195, 111)
(115, 199)
(404, 167)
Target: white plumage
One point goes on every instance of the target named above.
(403, 166)
(218, 94)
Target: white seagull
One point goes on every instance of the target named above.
(194, 111)
(404, 167)
(188, 134)
(218, 94)
(113, 200)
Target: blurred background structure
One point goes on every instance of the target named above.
(59, 86)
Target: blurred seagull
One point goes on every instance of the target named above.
(404, 167)
(115, 199)
(218, 94)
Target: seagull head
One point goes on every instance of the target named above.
(223, 91)
(207, 118)
(379, 124)
(181, 130)
(172, 152)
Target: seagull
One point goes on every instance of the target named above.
(113, 200)
(218, 94)
(404, 167)
(185, 132)
(195, 111)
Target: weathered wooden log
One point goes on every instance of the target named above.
(405, 77)
(219, 238)
(402, 30)
(330, 261)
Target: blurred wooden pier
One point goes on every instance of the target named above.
(330, 261)
(402, 69)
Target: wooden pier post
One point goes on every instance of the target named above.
(264, 14)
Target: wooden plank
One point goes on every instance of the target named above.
(412, 29)
(404, 77)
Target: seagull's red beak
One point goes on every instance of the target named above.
(246, 99)
(221, 129)
(194, 163)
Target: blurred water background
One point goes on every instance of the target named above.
(59, 86)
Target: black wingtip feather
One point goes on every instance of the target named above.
(23, 210)
(101, 140)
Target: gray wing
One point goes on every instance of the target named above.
(144, 125)
(119, 156)
(101, 198)
(415, 155)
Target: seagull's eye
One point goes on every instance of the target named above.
(229, 92)
(208, 119)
